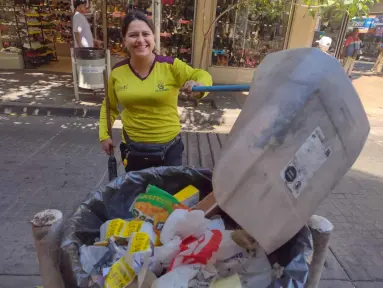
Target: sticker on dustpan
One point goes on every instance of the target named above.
(308, 159)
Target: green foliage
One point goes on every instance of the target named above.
(274, 8)
(354, 7)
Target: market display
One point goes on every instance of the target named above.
(246, 34)
(10, 40)
(37, 32)
(116, 11)
(176, 26)
(63, 21)
(177, 29)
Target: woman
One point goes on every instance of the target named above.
(147, 86)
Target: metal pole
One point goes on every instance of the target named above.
(321, 230)
(289, 24)
(74, 73)
(157, 22)
(104, 24)
(245, 32)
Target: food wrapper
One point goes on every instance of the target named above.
(124, 271)
(155, 206)
(119, 228)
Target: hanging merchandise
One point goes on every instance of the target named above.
(10, 40)
(8, 23)
(37, 32)
(116, 11)
(63, 22)
(177, 29)
(245, 35)
(176, 26)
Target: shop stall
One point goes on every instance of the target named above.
(176, 26)
(229, 48)
(241, 37)
(40, 32)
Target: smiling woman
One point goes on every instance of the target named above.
(147, 86)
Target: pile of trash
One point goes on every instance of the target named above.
(162, 242)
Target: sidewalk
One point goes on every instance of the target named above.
(51, 94)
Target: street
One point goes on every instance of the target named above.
(54, 162)
(46, 163)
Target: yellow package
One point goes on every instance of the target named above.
(188, 196)
(139, 242)
(119, 228)
(155, 206)
(120, 275)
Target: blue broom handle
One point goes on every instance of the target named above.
(221, 88)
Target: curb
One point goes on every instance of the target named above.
(44, 110)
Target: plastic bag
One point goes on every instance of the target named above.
(113, 201)
(90, 256)
(198, 250)
(183, 223)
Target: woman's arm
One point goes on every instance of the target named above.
(183, 73)
(113, 104)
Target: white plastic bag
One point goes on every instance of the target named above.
(164, 255)
(178, 278)
(183, 223)
(90, 255)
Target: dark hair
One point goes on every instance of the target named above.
(135, 15)
(78, 3)
(355, 30)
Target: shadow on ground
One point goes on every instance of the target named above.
(51, 89)
(43, 88)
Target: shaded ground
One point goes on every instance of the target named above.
(44, 93)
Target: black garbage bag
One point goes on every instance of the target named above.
(114, 200)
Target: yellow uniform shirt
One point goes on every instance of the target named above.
(150, 104)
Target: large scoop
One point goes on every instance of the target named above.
(301, 129)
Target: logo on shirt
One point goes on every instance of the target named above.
(161, 87)
(121, 87)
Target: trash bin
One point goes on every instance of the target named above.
(90, 67)
(114, 200)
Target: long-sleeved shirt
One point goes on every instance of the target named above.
(150, 112)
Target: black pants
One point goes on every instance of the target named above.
(173, 156)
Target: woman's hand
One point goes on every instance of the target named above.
(107, 145)
(187, 89)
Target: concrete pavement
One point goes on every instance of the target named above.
(46, 163)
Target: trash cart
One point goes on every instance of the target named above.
(287, 267)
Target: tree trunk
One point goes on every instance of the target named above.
(379, 62)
